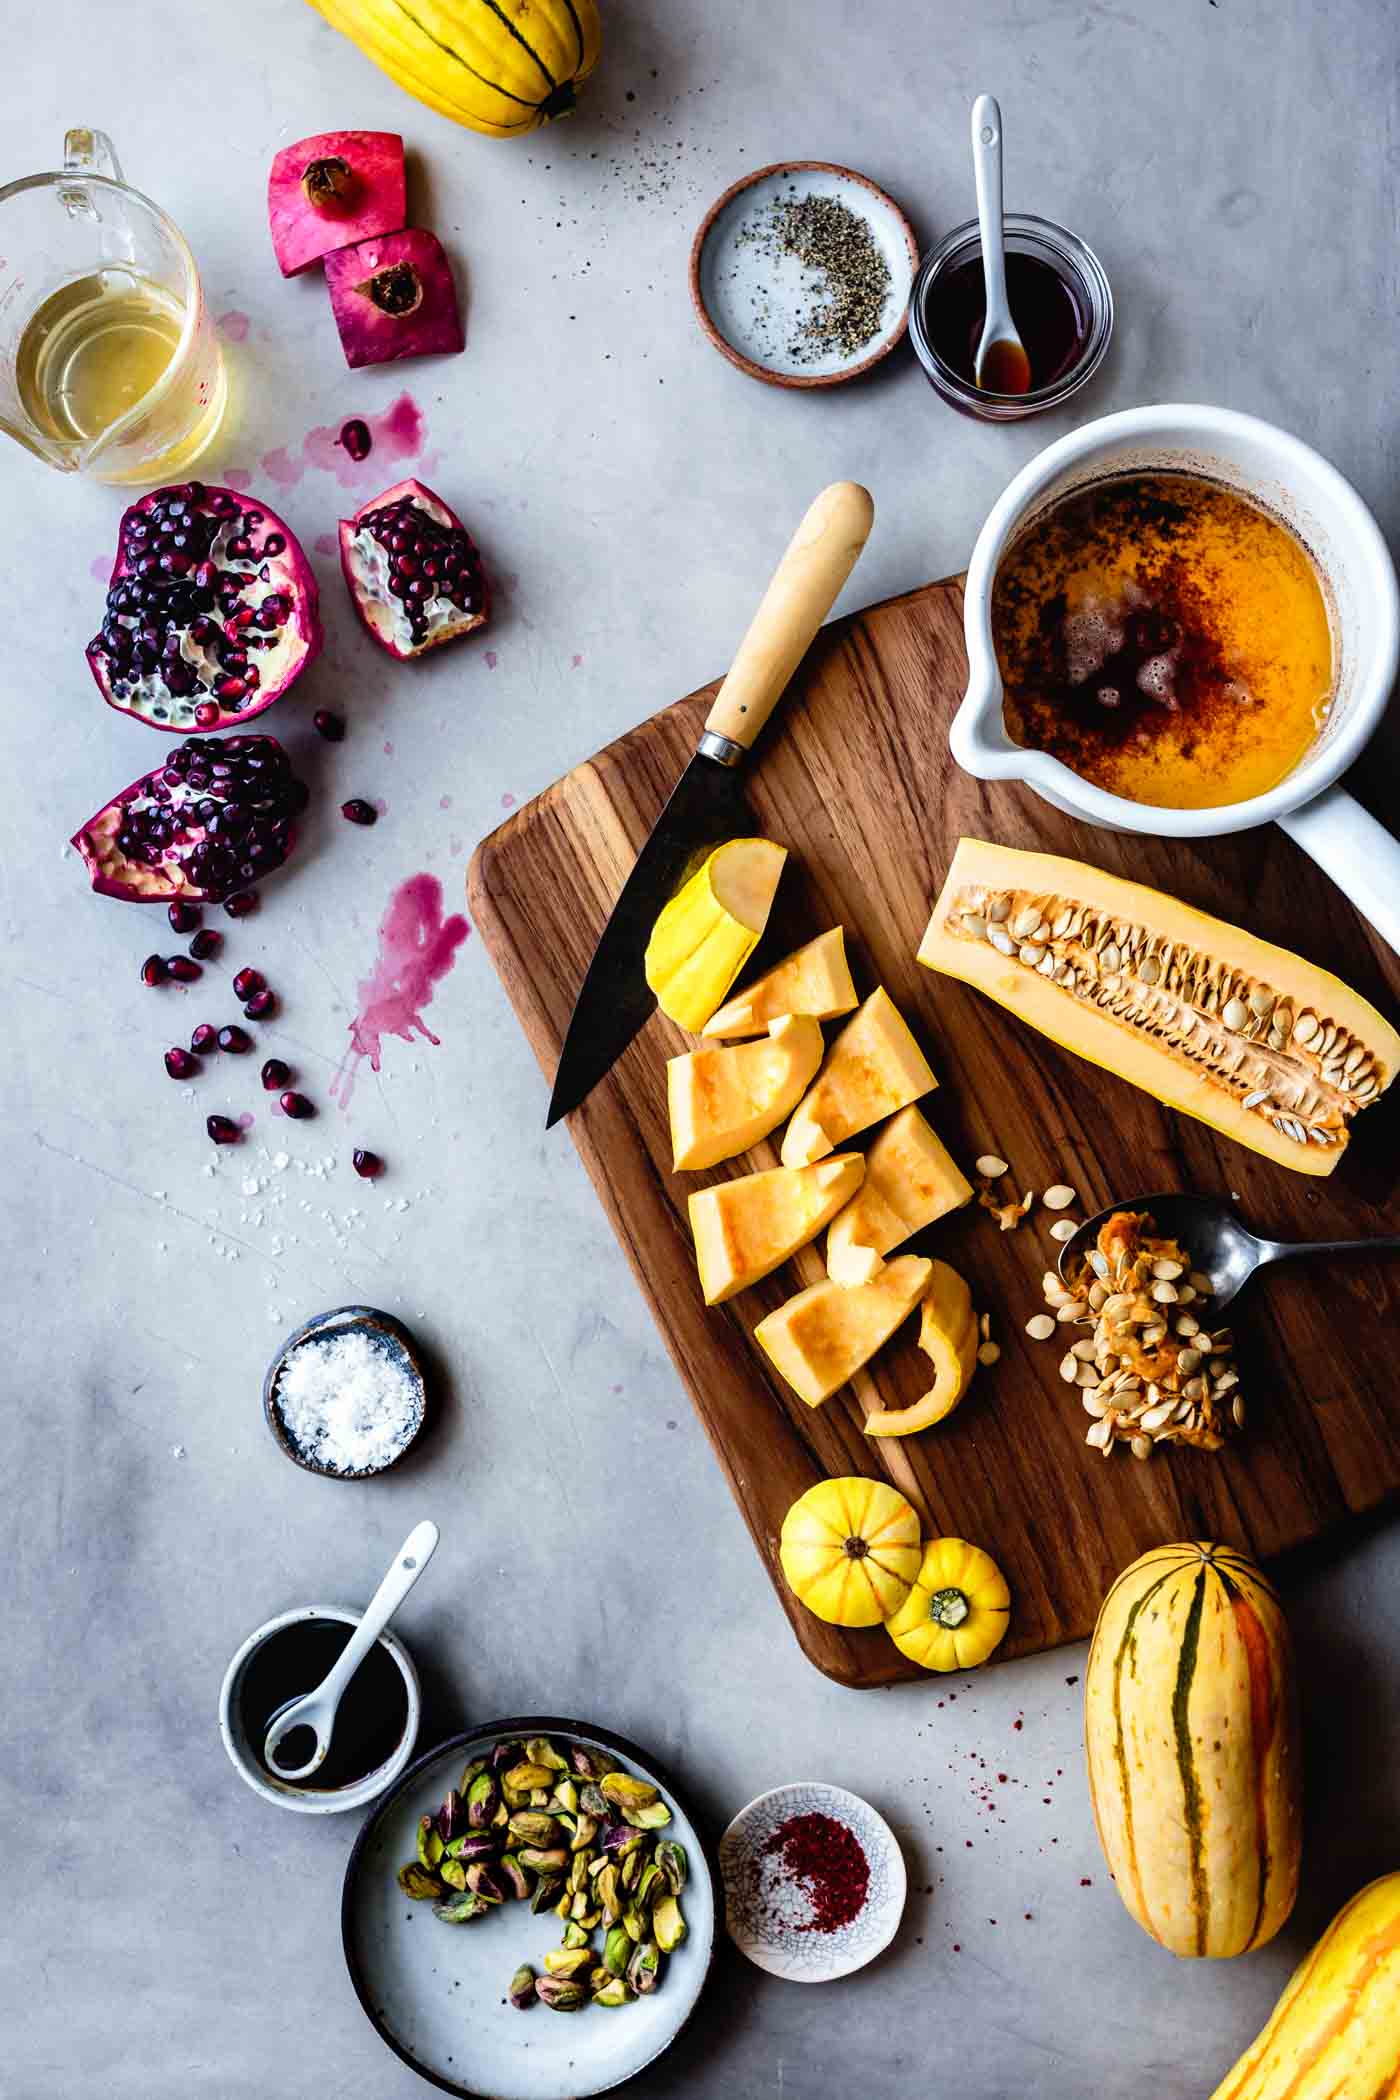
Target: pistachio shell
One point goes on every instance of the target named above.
(417, 1881)
(626, 1791)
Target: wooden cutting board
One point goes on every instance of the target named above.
(854, 776)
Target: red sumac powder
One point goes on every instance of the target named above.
(828, 1860)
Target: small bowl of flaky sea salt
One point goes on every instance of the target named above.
(346, 1394)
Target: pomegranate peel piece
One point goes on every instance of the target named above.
(212, 611)
(215, 815)
(413, 570)
(394, 297)
(333, 189)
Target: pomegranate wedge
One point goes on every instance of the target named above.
(215, 815)
(413, 570)
(212, 611)
(394, 297)
(327, 191)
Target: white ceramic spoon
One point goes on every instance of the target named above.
(1001, 365)
(316, 1710)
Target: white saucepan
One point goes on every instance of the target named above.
(1358, 579)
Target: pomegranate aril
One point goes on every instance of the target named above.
(275, 1074)
(328, 725)
(241, 903)
(368, 1165)
(235, 1039)
(358, 811)
(153, 968)
(261, 1004)
(204, 1039)
(180, 1064)
(206, 944)
(297, 1107)
(183, 917)
(247, 982)
(182, 969)
(207, 714)
(223, 1130)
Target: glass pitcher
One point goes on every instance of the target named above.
(109, 364)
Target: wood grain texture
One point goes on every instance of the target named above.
(855, 778)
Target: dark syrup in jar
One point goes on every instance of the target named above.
(370, 1722)
(1050, 317)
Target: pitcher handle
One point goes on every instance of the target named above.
(1358, 853)
(90, 152)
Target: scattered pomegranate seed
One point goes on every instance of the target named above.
(247, 982)
(275, 1074)
(182, 969)
(206, 944)
(179, 1064)
(153, 970)
(297, 1107)
(358, 811)
(368, 1165)
(204, 1039)
(235, 1039)
(184, 917)
(241, 903)
(328, 725)
(223, 1130)
(355, 437)
(261, 1004)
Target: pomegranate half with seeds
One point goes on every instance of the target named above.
(216, 816)
(413, 569)
(211, 614)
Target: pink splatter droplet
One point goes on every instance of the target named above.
(101, 567)
(454, 848)
(388, 749)
(574, 662)
(326, 543)
(507, 802)
(246, 1120)
(237, 478)
(417, 948)
(279, 466)
(234, 325)
(491, 659)
(395, 435)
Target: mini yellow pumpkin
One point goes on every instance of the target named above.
(850, 1549)
(957, 1611)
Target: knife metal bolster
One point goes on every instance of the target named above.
(722, 749)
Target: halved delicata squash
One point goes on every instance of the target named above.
(1267, 1048)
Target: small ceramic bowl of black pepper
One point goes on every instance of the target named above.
(346, 1395)
(814, 1882)
(800, 274)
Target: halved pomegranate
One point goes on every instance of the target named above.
(211, 614)
(414, 570)
(327, 191)
(214, 816)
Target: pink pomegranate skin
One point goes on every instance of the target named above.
(334, 189)
(432, 532)
(191, 624)
(394, 297)
(215, 815)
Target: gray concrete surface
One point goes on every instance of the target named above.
(164, 1932)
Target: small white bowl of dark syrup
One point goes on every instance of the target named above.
(376, 1725)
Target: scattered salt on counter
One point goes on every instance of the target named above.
(347, 1402)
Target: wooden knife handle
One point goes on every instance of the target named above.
(805, 585)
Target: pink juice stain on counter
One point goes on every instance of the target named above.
(417, 948)
(395, 435)
(234, 326)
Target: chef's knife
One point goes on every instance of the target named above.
(707, 804)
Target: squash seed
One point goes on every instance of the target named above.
(1040, 1327)
(1059, 1196)
(1063, 1229)
(988, 1353)
(990, 1167)
(1141, 1447)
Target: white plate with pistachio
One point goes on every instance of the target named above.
(530, 1913)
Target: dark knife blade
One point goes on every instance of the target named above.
(706, 807)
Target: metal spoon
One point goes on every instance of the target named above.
(316, 1710)
(1001, 365)
(1219, 1246)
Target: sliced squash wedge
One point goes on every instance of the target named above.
(745, 1229)
(948, 1336)
(1267, 1048)
(725, 1097)
(873, 1068)
(911, 1180)
(814, 980)
(711, 927)
(820, 1338)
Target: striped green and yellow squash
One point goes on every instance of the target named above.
(1335, 2032)
(1191, 1732)
(502, 67)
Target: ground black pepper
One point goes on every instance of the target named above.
(823, 234)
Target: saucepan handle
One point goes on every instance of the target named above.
(1358, 853)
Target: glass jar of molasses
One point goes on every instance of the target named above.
(1060, 301)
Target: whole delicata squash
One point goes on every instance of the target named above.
(1267, 1048)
